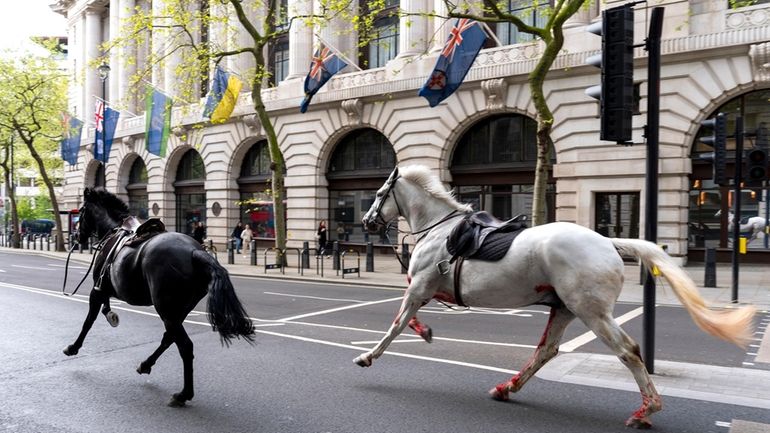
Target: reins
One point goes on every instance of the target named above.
(91, 265)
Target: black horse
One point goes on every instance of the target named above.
(169, 270)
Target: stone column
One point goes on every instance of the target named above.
(441, 26)
(158, 41)
(300, 40)
(113, 82)
(243, 64)
(337, 33)
(413, 29)
(128, 58)
(93, 85)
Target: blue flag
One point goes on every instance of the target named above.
(107, 133)
(325, 64)
(223, 96)
(70, 143)
(158, 121)
(464, 43)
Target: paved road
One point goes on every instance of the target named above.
(300, 378)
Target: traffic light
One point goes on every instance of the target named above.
(616, 92)
(756, 166)
(718, 141)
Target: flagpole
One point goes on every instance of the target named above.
(165, 93)
(106, 102)
(490, 33)
(342, 56)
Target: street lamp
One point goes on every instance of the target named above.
(104, 72)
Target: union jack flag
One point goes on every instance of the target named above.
(325, 63)
(99, 115)
(463, 45)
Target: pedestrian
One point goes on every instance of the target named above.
(236, 234)
(199, 232)
(322, 237)
(246, 236)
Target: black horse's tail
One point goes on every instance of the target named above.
(226, 313)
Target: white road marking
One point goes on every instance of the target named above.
(723, 424)
(334, 310)
(589, 336)
(70, 266)
(313, 297)
(2, 271)
(37, 268)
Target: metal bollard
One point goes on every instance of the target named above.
(231, 252)
(710, 277)
(369, 257)
(404, 257)
(305, 255)
(48, 247)
(336, 256)
(34, 242)
(253, 252)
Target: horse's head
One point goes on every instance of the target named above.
(385, 206)
(101, 212)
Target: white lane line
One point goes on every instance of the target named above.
(404, 355)
(293, 337)
(406, 339)
(313, 297)
(70, 266)
(723, 424)
(37, 268)
(334, 310)
(589, 336)
(2, 271)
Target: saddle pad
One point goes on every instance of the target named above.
(495, 246)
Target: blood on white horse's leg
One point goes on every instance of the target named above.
(421, 329)
(409, 308)
(547, 348)
(627, 350)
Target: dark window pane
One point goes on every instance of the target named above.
(364, 149)
(191, 167)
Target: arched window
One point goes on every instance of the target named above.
(190, 192)
(707, 229)
(254, 184)
(100, 178)
(137, 189)
(360, 164)
(493, 166)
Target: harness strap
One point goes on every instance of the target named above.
(458, 294)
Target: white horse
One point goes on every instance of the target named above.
(574, 270)
(753, 226)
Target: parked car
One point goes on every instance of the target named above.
(39, 226)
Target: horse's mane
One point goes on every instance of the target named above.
(422, 176)
(108, 201)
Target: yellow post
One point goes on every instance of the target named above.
(742, 245)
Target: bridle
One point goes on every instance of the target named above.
(69, 254)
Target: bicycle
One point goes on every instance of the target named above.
(210, 249)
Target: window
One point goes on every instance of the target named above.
(191, 167)
(503, 139)
(205, 23)
(137, 189)
(278, 60)
(256, 163)
(363, 150)
(381, 40)
(531, 12)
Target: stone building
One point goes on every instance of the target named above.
(480, 140)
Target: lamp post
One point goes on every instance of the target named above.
(104, 72)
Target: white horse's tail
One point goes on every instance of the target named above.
(733, 325)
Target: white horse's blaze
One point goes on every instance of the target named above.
(575, 270)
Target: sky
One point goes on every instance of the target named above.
(22, 19)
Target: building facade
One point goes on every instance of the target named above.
(480, 141)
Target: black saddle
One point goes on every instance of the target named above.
(143, 232)
(481, 236)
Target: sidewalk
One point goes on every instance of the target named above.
(734, 385)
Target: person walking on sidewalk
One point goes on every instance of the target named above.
(322, 236)
(246, 236)
(236, 234)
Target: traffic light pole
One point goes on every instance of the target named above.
(651, 193)
(737, 204)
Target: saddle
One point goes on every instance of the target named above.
(140, 232)
(481, 236)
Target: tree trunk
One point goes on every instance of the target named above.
(51, 194)
(15, 237)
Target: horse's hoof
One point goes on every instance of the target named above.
(427, 335)
(498, 394)
(112, 319)
(639, 423)
(143, 369)
(178, 400)
(70, 350)
(363, 361)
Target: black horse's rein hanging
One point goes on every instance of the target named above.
(67, 265)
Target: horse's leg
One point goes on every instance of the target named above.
(185, 346)
(421, 329)
(627, 350)
(548, 347)
(95, 300)
(145, 367)
(111, 316)
(409, 308)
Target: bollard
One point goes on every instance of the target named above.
(336, 256)
(28, 236)
(710, 277)
(48, 247)
(369, 257)
(253, 252)
(34, 242)
(305, 255)
(231, 252)
(404, 257)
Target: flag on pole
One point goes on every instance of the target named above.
(106, 122)
(70, 143)
(325, 64)
(158, 121)
(223, 96)
(465, 41)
